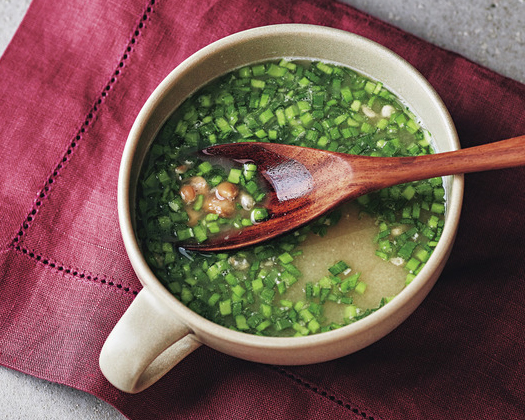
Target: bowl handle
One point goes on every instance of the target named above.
(146, 343)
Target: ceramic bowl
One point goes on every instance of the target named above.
(157, 331)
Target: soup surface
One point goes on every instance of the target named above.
(335, 271)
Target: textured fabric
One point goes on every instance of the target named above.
(73, 80)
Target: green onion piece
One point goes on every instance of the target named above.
(360, 287)
(409, 192)
(412, 265)
(184, 234)
(235, 176)
(205, 167)
(338, 268)
(350, 311)
(438, 208)
(257, 285)
(213, 299)
(314, 326)
(325, 68)
(199, 201)
(240, 322)
(266, 116)
(200, 233)
(285, 258)
(266, 310)
(258, 70)
(249, 171)
(258, 84)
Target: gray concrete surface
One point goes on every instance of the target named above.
(491, 33)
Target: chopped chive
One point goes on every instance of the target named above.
(184, 234)
(438, 208)
(199, 233)
(409, 192)
(205, 167)
(266, 116)
(258, 70)
(285, 258)
(314, 326)
(350, 311)
(412, 265)
(238, 290)
(234, 176)
(350, 283)
(258, 84)
(263, 325)
(213, 299)
(198, 202)
(257, 285)
(360, 287)
(409, 278)
(240, 322)
(338, 268)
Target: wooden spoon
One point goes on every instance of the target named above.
(305, 183)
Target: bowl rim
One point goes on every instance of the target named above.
(201, 326)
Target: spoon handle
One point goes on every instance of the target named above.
(498, 155)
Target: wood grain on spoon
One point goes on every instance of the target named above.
(306, 183)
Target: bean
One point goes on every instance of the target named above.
(387, 111)
(200, 185)
(224, 208)
(227, 190)
(181, 169)
(187, 193)
(247, 201)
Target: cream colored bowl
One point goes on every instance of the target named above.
(157, 331)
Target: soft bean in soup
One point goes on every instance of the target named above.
(335, 271)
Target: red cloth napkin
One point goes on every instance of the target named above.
(72, 82)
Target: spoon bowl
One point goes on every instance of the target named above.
(305, 183)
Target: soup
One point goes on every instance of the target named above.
(335, 271)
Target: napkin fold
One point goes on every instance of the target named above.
(72, 81)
